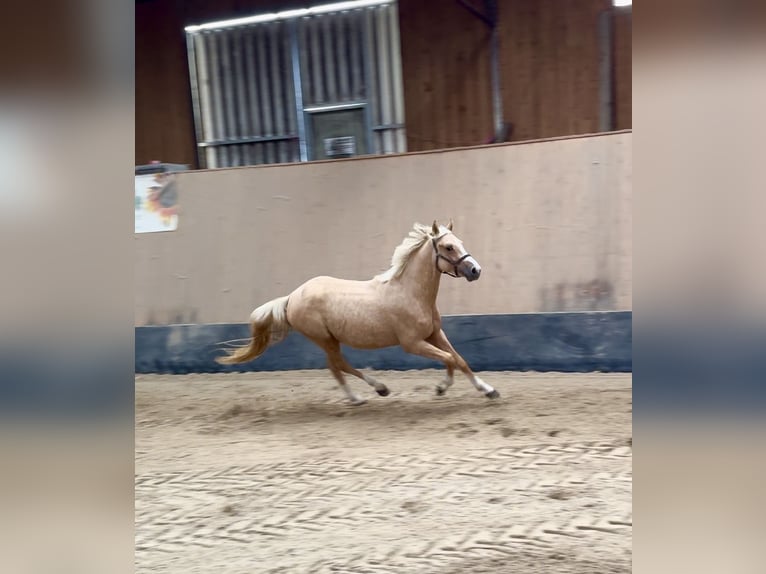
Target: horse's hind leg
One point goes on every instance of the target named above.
(380, 388)
(336, 365)
(338, 374)
(341, 362)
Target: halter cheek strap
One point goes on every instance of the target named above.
(452, 262)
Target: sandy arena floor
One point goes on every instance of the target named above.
(272, 472)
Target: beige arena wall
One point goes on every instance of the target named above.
(549, 221)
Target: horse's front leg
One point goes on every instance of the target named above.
(439, 339)
(451, 359)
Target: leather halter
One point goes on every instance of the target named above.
(452, 262)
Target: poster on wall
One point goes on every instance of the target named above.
(156, 203)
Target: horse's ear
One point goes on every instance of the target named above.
(449, 225)
(435, 228)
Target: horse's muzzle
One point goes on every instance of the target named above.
(470, 269)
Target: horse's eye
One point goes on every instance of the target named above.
(449, 248)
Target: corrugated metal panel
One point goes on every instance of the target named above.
(246, 82)
(245, 94)
(206, 129)
(356, 54)
(383, 60)
(342, 56)
(397, 90)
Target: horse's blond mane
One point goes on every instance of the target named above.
(417, 236)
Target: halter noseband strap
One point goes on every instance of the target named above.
(452, 262)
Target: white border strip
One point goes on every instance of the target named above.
(286, 15)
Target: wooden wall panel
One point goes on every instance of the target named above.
(623, 51)
(550, 223)
(548, 57)
(445, 54)
(549, 64)
(164, 120)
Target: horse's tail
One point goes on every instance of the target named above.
(268, 324)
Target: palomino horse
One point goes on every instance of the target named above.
(397, 307)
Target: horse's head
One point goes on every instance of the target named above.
(450, 254)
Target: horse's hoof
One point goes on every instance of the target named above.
(358, 402)
(440, 391)
(383, 391)
(493, 394)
